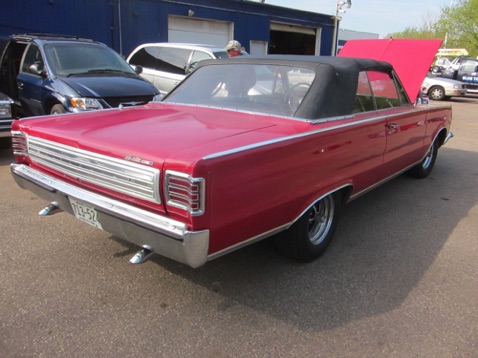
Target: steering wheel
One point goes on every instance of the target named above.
(295, 95)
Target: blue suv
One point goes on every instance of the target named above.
(47, 74)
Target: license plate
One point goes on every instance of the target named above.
(85, 213)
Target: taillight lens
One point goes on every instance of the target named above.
(19, 144)
(185, 192)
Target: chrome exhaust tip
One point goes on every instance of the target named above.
(49, 209)
(141, 256)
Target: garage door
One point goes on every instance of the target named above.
(184, 29)
(293, 40)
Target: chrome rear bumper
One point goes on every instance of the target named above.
(154, 232)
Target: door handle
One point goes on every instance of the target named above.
(20, 84)
(392, 125)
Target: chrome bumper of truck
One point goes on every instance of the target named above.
(153, 232)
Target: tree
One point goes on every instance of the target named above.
(460, 22)
(456, 25)
(426, 31)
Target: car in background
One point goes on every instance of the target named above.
(440, 65)
(3, 42)
(6, 115)
(166, 64)
(467, 71)
(439, 88)
(50, 74)
(444, 64)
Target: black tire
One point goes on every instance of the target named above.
(58, 109)
(312, 233)
(424, 169)
(437, 93)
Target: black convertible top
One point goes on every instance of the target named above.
(310, 61)
(334, 88)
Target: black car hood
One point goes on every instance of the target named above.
(110, 86)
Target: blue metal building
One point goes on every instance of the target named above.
(123, 24)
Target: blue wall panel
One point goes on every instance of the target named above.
(140, 21)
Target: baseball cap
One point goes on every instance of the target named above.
(233, 45)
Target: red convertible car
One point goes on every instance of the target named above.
(242, 150)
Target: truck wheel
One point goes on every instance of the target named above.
(423, 169)
(309, 236)
(437, 93)
(57, 109)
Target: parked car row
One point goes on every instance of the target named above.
(46, 74)
(462, 68)
(467, 72)
(49, 74)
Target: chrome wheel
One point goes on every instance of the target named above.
(310, 235)
(321, 216)
(424, 168)
(428, 160)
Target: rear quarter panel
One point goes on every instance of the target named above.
(438, 119)
(259, 189)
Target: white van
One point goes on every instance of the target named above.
(165, 64)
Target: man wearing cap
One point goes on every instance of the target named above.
(233, 48)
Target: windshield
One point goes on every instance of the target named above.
(221, 54)
(70, 59)
(270, 89)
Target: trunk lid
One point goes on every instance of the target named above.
(133, 132)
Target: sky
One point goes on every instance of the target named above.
(376, 16)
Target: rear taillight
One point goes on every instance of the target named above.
(19, 144)
(185, 192)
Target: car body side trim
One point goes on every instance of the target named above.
(302, 135)
(370, 188)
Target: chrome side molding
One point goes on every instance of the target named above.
(448, 137)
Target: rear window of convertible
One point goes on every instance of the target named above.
(272, 89)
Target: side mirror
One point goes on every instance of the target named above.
(422, 99)
(37, 69)
(138, 69)
(192, 67)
